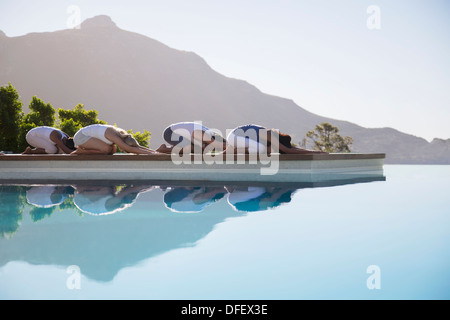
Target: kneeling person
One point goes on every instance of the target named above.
(48, 140)
(188, 135)
(103, 139)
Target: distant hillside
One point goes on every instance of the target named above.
(140, 83)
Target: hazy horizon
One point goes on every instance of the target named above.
(322, 55)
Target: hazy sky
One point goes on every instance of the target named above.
(382, 66)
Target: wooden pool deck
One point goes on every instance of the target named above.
(308, 168)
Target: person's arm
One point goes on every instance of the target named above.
(148, 149)
(56, 137)
(63, 147)
(125, 147)
(116, 139)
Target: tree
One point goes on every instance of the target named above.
(73, 120)
(325, 137)
(69, 126)
(12, 204)
(41, 114)
(10, 118)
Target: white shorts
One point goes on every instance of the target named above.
(39, 142)
(241, 143)
(80, 138)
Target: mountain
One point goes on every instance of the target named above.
(140, 83)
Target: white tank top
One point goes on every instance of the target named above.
(188, 126)
(185, 129)
(96, 131)
(44, 132)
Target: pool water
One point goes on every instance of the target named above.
(374, 240)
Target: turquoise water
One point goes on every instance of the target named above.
(374, 240)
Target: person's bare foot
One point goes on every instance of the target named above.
(27, 151)
(163, 149)
(75, 152)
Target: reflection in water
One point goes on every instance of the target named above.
(192, 199)
(45, 199)
(102, 242)
(103, 200)
(47, 196)
(12, 204)
(251, 199)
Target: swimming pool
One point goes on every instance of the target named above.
(374, 240)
